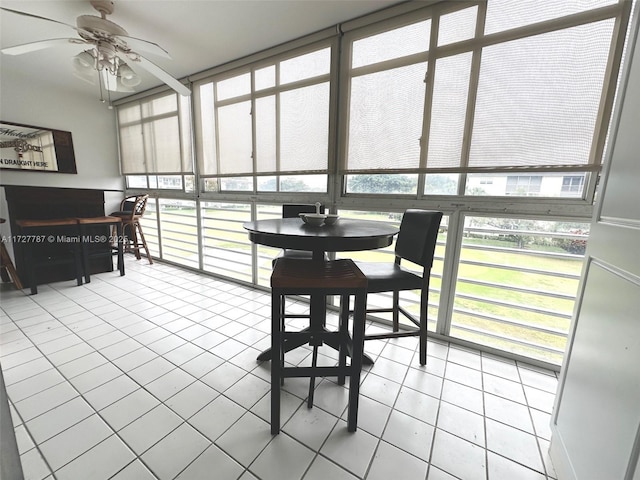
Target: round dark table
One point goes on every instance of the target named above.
(343, 236)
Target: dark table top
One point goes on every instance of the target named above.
(343, 236)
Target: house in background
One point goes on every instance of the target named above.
(596, 434)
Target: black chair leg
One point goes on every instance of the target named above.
(312, 380)
(344, 332)
(423, 329)
(276, 362)
(356, 360)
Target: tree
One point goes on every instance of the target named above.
(382, 183)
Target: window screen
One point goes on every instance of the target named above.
(155, 135)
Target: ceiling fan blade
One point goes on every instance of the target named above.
(144, 45)
(35, 46)
(154, 69)
(17, 12)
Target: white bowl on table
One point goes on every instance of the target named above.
(331, 219)
(315, 219)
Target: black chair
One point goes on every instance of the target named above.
(416, 243)
(293, 210)
(302, 277)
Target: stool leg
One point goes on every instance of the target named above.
(77, 260)
(344, 331)
(356, 359)
(312, 380)
(120, 246)
(85, 254)
(144, 244)
(32, 271)
(276, 361)
(11, 270)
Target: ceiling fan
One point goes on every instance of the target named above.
(109, 47)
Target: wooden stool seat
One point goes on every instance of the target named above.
(86, 240)
(99, 220)
(292, 276)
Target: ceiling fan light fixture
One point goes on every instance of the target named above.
(84, 61)
(128, 77)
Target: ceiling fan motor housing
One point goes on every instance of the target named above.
(105, 7)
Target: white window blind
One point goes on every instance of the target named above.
(270, 118)
(440, 96)
(155, 135)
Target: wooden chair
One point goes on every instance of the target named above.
(416, 243)
(303, 277)
(131, 210)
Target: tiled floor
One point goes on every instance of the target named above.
(154, 375)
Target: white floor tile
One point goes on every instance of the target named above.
(74, 441)
(310, 426)
(372, 415)
(169, 384)
(463, 396)
(283, 458)
(391, 462)
(380, 389)
(501, 468)
(419, 405)
(323, 469)
(409, 434)
(191, 399)
(424, 382)
(136, 470)
(102, 461)
(129, 408)
(513, 444)
(214, 419)
(57, 420)
(175, 452)
(511, 413)
(461, 423)
(212, 460)
(110, 392)
(458, 457)
(245, 439)
(150, 428)
(352, 451)
(34, 466)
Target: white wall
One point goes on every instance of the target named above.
(92, 127)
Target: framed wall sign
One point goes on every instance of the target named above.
(29, 148)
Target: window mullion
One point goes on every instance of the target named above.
(474, 78)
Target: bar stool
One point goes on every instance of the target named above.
(39, 233)
(86, 239)
(6, 265)
(309, 277)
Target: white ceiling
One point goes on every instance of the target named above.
(197, 34)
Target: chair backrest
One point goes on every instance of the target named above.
(136, 204)
(416, 240)
(292, 210)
